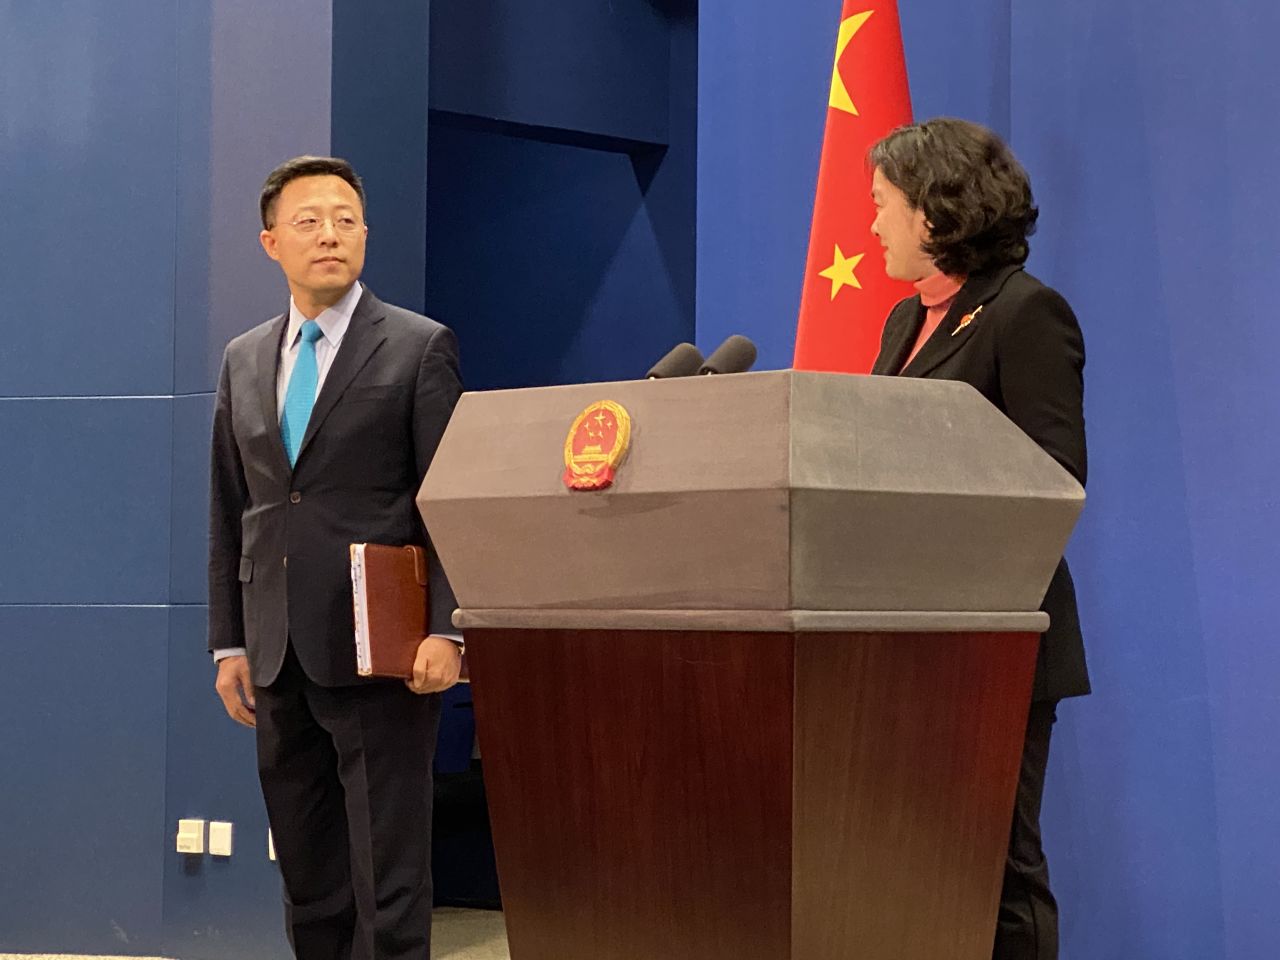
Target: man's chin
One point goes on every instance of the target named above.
(330, 283)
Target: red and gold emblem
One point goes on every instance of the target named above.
(596, 444)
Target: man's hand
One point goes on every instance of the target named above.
(236, 689)
(436, 666)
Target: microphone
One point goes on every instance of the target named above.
(735, 355)
(682, 360)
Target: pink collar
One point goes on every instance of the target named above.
(938, 288)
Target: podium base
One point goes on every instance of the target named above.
(698, 795)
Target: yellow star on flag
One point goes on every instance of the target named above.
(841, 272)
(840, 98)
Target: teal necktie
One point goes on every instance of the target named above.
(301, 395)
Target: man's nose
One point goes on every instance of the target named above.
(327, 233)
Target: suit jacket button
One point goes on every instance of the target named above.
(295, 497)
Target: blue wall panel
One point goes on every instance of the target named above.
(194, 358)
(189, 538)
(377, 49)
(86, 494)
(764, 75)
(1216, 255)
(258, 75)
(672, 195)
(88, 263)
(576, 65)
(214, 908)
(83, 753)
(958, 59)
(544, 259)
(1183, 533)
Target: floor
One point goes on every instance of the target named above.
(456, 935)
(468, 935)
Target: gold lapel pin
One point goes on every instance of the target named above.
(967, 319)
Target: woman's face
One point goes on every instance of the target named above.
(902, 231)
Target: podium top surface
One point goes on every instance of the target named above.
(774, 429)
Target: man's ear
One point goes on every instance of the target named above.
(269, 243)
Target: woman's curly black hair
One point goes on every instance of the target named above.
(975, 195)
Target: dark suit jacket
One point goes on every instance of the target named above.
(279, 561)
(1023, 352)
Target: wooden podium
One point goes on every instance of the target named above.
(763, 698)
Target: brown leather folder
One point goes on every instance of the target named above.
(389, 592)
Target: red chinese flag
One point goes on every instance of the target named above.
(846, 294)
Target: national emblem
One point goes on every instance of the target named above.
(596, 444)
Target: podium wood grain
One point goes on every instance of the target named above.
(907, 748)
(681, 795)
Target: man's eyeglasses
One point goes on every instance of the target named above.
(345, 224)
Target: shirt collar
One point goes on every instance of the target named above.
(938, 288)
(333, 320)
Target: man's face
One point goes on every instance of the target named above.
(320, 265)
(902, 231)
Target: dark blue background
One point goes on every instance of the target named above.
(573, 189)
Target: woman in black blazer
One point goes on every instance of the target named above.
(954, 211)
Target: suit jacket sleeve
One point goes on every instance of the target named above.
(1040, 357)
(228, 496)
(436, 393)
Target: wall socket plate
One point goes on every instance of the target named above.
(220, 838)
(191, 836)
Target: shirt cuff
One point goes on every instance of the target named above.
(453, 638)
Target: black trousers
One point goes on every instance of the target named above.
(1027, 924)
(346, 775)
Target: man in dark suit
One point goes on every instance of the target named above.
(326, 420)
(954, 211)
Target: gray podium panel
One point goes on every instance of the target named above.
(768, 491)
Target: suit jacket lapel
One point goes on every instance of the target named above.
(268, 363)
(362, 338)
(904, 326)
(950, 337)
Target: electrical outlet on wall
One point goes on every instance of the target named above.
(191, 836)
(220, 838)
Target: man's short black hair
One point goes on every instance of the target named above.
(975, 195)
(304, 167)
